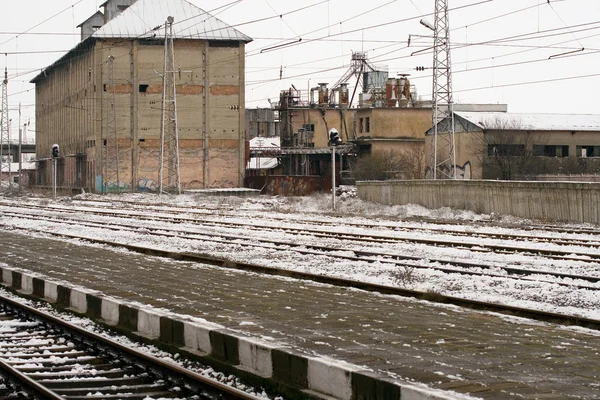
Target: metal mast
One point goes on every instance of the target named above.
(111, 177)
(443, 154)
(5, 135)
(169, 143)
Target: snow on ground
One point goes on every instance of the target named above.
(305, 212)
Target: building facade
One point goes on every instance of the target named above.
(111, 85)
(514, 146)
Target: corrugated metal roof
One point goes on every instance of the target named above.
(263, 162)
(191, 22)
(533, 122)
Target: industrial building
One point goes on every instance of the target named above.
(388, 117)
(514, 146)
(262, 122)
(102, 102)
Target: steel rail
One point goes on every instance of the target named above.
(21, 380)
(209, 387)
(366, 256)
(194, 210)
(592, 243)
(556, 254)
(342, 282)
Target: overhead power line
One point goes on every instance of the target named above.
(565, 78)
(43, 22)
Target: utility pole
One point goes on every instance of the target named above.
(169, 143)
(5, 134)
(333, 176)
(442, 153)
(22, 134)
(111, 142)
(20, 156)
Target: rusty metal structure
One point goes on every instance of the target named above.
(307, 117)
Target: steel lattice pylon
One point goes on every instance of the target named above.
(5, 135)
(111, 141)
(169, 144)
(443, 155)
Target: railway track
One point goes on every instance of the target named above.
(204, 210)
(46, 357)
(399, 260)
(476, 246)
(178, 233)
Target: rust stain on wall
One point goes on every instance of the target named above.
(190, 144)
(278, 185)
(154, 89)
(119, 89)
(150, 143)
(189, 89)
(180, 89)
(223, 143)
(224, 90)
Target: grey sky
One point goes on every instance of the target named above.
(539, 31)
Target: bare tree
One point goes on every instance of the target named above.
(377, 166)
(506, 150)
(413, 163)
(389, 164)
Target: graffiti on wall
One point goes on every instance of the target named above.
(147, 185)
(462, 172)
(110, 186)
(115, 187)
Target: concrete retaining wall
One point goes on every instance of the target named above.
(318, 377)
(549, 201)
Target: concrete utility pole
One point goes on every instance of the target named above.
(5, 134)
(442, 153)
(333, 177)
(20, 155)
(111, 141)
(169, 142)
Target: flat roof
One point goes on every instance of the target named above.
(533, 121)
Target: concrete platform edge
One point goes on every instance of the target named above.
(332, 378)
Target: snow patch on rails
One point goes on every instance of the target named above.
(513, 301)
(50, 358)
(548, 251)
(445, 266)
(317, 375)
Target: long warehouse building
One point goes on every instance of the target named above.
(110, 85)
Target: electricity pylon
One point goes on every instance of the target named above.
(169, 143)
(5, 134)
(111, 140)
(443, 155)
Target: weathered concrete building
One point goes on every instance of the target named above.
(262, 122)
(77, 95)
(514, 146)
(91, 25)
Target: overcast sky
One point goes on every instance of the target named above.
(528, 37)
